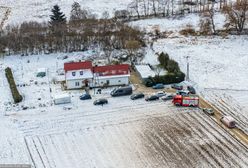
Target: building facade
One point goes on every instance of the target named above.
(81, 74)
(78, 74)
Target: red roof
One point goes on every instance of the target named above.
(110, 70)
(77, 65)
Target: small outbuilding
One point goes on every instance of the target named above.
(62, 99)
(145, 71)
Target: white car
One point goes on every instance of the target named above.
(167, 97)
(160, 94)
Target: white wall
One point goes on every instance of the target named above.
(71, 83)
(112, 81)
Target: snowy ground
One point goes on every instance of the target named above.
(124, 133)
(135, 134)
(218, 68)
(39, 10)
(175, 23)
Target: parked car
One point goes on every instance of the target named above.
(177, 86)
(182, 92)
(137, 96)
(208, 111)
(167, 97)
(85, 96)
(122, 91)
(228, 121)
(191, 90)
(151, 98)
(100, 101)
(158, 86)
(160, 94)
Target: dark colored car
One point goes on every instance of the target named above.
(158, 86)
(85, 96)
(208, 111)
(191, 90)
(100, 102)
(137, 96)
(167, 97)
(151, 98)
(177, 86)
(122, 91)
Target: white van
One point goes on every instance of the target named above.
(228, 121)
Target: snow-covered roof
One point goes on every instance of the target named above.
(79, 74)
(59, 96)
(41, 70)
(145, 71)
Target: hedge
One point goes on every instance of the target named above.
(15, 94)
(165, 79)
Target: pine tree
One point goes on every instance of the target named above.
(57, 20)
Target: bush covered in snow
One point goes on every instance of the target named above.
(15, 93)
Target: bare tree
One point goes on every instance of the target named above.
(154, 6)
(132, 47)
(237, 15)
(207, 24)
(163, 4)
(134, 5)
(158, 69)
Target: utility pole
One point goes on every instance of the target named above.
(187, 75)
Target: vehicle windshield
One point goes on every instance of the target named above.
(113, 90)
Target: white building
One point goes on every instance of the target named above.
(111, 75)
(80, 74)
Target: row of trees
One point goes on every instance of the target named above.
(164, 8)
(236, 17)
(79, 33)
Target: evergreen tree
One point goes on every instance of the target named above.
(163, 58)
(57, 20)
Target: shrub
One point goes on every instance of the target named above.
(189, 30)
(15, 94)
(170, 78)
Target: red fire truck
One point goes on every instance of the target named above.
(187, 101)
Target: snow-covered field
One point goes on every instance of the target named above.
(175, 23)
(123, 133)
(217, 65)
(39, 10)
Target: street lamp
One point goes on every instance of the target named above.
(187, 75)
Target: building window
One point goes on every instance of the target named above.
(73, 73)
(81, 72)
(76, 83)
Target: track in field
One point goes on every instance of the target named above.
(228, 106)
(174, 137)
